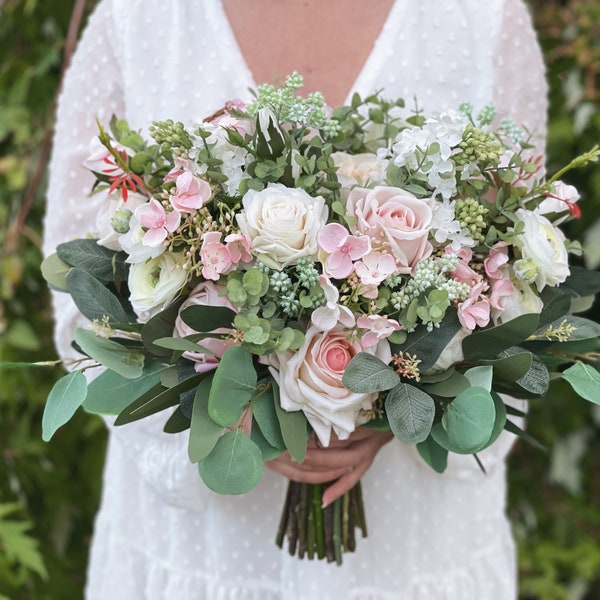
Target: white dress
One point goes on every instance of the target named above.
(160, 534)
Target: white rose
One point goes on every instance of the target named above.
(543, 245)
(154, 284)
(112, 207)
(311, 380)
(282, 223)
(452, 352)
(359, 169)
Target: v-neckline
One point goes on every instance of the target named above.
(366, 68)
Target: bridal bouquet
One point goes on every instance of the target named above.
(282, 272)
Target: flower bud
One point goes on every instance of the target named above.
(120, 220)
(526, 270)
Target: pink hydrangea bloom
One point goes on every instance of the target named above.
(159, 223)
(496, 260)
(463, 271)
(375, 267)
(192, 193)
(215, 256)
(342, 249)
(238, 245)
(501, 289)
(377, 328)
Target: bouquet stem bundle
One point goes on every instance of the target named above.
(320, 532)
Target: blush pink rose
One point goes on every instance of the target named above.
(204, 294)
(396, 221)
(310, 380)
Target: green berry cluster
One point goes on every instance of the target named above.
(478, 146)
(471, 215)
(173, 134)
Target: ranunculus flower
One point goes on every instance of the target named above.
(113, 205)
(192, 193)
(205, 293)
(543, 245)
(154, 284)
(283, 224)
(311, 380)
(395, 220)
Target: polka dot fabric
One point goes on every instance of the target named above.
(160, 534)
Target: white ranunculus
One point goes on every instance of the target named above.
(283, 224)
(543, 245)
(452, 352)
(111, 209)
(154, 284)
(310, 380)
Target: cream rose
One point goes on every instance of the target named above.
(311, 380)
(358, 169)
(543, 246)
(395, 220)
(155, 283)
(204, 294)
(282, 223)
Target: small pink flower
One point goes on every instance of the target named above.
(238, 245)
(474, 312)
(463, 271)
(215, 256)
(342, 249)
(378, 328)
(152, 216)
(375, 267)
(192, 193)
(498, 258)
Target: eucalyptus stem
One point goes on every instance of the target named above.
(328, 528)
(318, 508)
(337, 530)
(292, 526)
(284, 517)
(310, 526)
(302, 515)
(345, 521)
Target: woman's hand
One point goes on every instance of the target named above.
(344, 461)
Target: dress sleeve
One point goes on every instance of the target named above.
(91, 90)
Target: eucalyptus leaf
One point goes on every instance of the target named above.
(182, 345)
(366, 373)
(489, 343)
(469, 420)
(177, 422)
(480, 377)
(101, 263)
(433, 454)
(93, 299)
(160, 326)
(265, 416)
(66, 396)
(268, 452)
(233, 386)
(516, 430)
(558, 305)
(428, 345)
(208, 318)
(234, 466)
(536, 380)
(294, 429)
(204, 432)
(581, 282)
(54, 271)
(410, 412)
(585, 380)
(449, 387)
(511, 364)
(156, 399)
(579, 328)
(127, 363)
(110, 393)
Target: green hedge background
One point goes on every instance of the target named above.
(49, 492)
